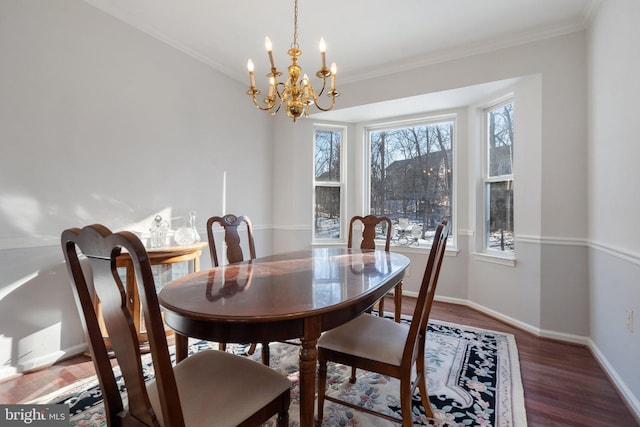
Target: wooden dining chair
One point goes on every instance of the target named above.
(233, 244)
(232, 240)
(369, 223)
(380, 345)
(207, 388)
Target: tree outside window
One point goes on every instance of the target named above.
(498, 182)
(411, 178)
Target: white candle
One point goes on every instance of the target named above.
(251, 75)
(272, 86)
(323, 51)
(333, 75)
(269, 47)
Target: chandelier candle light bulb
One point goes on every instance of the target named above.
(251, 75)
(297, 94)
(269, 47)
(272, 86)
(334, 69)
(323, 52)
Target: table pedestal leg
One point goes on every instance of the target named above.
(308, 361)
(182, 344)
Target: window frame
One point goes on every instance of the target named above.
(508, 257)
(341, 184)
(405, 123)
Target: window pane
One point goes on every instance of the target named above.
(500, 140)
(411, 179)
(500, 217)
(327, 214)
(327, 155)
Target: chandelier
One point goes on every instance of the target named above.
(295, 93)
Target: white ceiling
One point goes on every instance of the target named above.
(366, 38)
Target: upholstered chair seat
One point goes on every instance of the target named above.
(229, 387)
(369, 337)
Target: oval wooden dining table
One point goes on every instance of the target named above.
(296, 294)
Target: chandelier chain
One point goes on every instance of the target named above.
(294, 45)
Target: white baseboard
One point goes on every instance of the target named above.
(42, 361)
(544, 333)
(627, 396)
(7, 372)
(632, 401)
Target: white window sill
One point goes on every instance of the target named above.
(450, 251)
(500, 259)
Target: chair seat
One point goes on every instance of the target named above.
(369, 337)
(209, 383)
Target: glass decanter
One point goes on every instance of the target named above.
(159, 229)
(188, 234)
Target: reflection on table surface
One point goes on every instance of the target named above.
(283, 284)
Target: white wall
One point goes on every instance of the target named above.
(100, 123)
(614, 198)
(577, 194)
(292, 174)
(551, 85)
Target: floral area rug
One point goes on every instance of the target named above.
(473, 380)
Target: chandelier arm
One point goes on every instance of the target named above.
(265, 108)
(279, 96)
(332, 94)
(280, 88)
(324, 84)
(268, 104)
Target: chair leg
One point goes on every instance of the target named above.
(252, 349)
(352, 378)
(322, 383)
(283, 419)
(381, 307)
(422, 386)
(222, 346)
(405, 402)
(265, 353)
(397, 300)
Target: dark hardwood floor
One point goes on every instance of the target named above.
(563, 383)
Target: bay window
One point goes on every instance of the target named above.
(411, 177)
(498, 179)
(328, 183)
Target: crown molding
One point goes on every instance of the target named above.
(478, 48)
(435, 57)
(161, 36)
